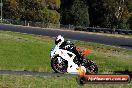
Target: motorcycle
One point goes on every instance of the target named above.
(63, 61)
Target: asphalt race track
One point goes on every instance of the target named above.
(33, 73)
(115, 41)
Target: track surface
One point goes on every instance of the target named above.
(120, 42)
(33, 73)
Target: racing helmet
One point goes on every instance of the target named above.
(59, 40)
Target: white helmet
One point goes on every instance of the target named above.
(59, 40)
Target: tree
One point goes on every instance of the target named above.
(50, 16)
(65, 13)
(11, 9)
(32, 10)
(109, 13)
(79, 11)
(74, 12)
(53, 4)
(129, 22)
(118, 13)
(96, 13)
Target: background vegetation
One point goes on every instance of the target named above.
(93, 13)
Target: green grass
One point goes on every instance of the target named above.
(24, 52)
(31, 52)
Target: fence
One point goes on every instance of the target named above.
(68, 27)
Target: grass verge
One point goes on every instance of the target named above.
(50, 82)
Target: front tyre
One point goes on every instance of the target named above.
(59, 67)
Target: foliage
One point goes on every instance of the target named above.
(102, 13)
(53, 4)
(11, 9)
(93, 13)
(118, 9)
(129, 22)
(79, 11)
(32, 10)
(75, 13)
(50, 16)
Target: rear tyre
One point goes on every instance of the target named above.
(59, 67)
(91, 67)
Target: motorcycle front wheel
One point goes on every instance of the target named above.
(59, 67)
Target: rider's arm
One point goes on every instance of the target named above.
(65, 45)
(69, 45)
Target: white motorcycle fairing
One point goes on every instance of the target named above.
(68, 56)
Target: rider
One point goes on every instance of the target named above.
(67, 45)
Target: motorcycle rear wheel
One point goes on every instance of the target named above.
(91, 67)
